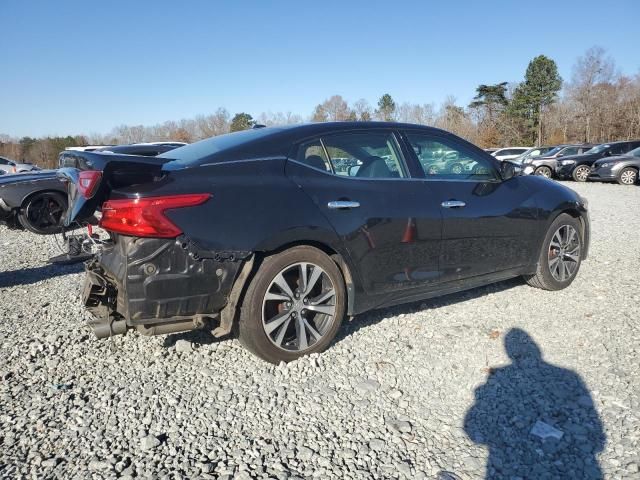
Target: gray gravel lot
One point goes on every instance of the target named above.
(419, 391)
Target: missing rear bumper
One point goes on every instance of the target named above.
(157, 286)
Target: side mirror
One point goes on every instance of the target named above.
(353, 170)
(509, 170)
(560, 155)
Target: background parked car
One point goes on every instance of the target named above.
(36, 200)
(546, 164)
(509, 153)
(578, 167)
(622, 169)
(533, 152)
(11, 166)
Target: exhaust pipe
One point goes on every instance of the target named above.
(164, 328)
(109, 328)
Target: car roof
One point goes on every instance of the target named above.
(273, 141)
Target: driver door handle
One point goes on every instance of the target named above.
(453, 204)
(342, 204)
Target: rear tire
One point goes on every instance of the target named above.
(293, 306)
(561, 255)
(42, 213)
(581, 173)
(627, 176)
(543, 172)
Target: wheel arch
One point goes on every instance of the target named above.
(338, 257)
(580, 215)
(28, 196)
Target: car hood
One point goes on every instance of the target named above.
(25, 177)
(617, 158)
(583, 156)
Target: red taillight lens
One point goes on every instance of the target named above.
(88, 181)
(144, 217)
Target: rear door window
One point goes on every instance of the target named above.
(365, 155)
(313, 154)
(570, 151)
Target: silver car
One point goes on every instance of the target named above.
(11, 166)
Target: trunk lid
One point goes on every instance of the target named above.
(116, 171)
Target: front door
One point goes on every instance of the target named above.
(489, 225)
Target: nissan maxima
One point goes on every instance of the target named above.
(259, 232)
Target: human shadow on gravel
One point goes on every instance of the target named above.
(510, 406)
(27, 276)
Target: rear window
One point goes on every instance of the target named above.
(191, 154)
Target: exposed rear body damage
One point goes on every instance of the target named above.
(148, 282)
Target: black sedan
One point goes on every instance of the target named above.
(622, 169)
(578, 167)
(260, 230)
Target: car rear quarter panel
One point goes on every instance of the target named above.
(14, 193)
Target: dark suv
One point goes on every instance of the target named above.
(546, 164)
(578, 167)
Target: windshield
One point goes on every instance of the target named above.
(598, 148)
(190, 154)
(635, 152)
(553, 151)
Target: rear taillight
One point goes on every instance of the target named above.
(88, 181)
(144, 217)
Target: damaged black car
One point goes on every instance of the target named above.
(282, 232)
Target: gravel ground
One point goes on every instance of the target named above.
(459, 387)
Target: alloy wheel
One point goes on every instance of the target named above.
(544, 172)
(582, 173)
(564, 253)
(44, 212)
(628, 177)
(299, 308)
(456, 169)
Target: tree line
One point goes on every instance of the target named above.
(597, 104)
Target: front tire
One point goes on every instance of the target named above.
(456, 168)
(294, 305)
(581, 173)
(561, 255)
(627, 176)
(543, 172)
(42, 213)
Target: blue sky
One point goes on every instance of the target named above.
(70, 67)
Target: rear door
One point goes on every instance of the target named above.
(390, 225)
(489, 225)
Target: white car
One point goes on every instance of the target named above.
(509, 153)
(11, 166)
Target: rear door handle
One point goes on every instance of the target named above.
(342, 204)
(453, 204)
